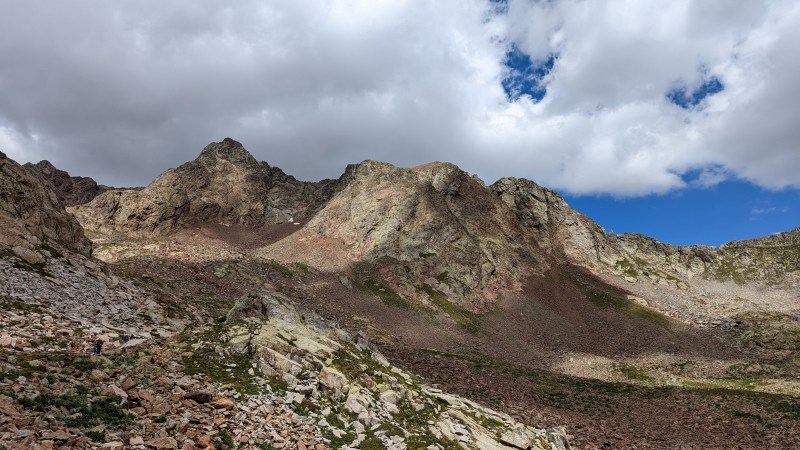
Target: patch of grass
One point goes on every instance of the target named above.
(275, 266)
(123, 360)
(627, 268)
(631, 372)
(355, 362)
(605, 299)
(83, 411)
(385, 293)
(468, 320)
(232, 369)
(84, 365)
(265, 446)
(300, 409)
(302, 268)
(338, 442)
(19, 263)
(727, 271)
(13, 304)
(226, 440)
(486, 421)
(96, 436)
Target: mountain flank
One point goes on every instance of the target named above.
(70, 190)
(224, 185)
(32, 218)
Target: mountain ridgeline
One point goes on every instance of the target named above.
(443, 226)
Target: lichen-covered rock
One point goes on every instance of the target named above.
(356, 397)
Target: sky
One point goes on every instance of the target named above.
(676, 119)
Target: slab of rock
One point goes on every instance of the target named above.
(199, 396)
(223, 403)
(162, 443)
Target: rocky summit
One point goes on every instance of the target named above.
(224, 185)
(32, 218)
(237, 307)
(69, 189)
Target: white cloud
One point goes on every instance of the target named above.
(121, 90)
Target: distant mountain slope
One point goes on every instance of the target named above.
(224, 185)
(565, 232)
(32, 219)
(433, 225)
(70, 190)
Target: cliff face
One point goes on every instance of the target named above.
(32, 219)
(224, 185)
(70, 190)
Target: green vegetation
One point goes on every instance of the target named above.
(443, 277)
(123, 360)
(275, 266)
(83, 411)
(226, 440)
(605, 299)
(385, 293)
(631, 372)
(232, 369)
(735, 397)
(12, 304)
(625, 266)
(468, 320)
(727, 271)
(96, 436)
(19, 263)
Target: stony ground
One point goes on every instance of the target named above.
(608, 392)
(191, 376)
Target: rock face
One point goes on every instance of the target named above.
(32, 219)
(70, 190)
(224, 185)
(435, 223)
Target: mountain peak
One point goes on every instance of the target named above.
(227, 150)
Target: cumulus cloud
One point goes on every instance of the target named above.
(121, 90)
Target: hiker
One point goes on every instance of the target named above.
(98, 346)
(126, 339)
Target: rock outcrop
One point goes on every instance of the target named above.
(434, 225)
(224, 185)
(70, 190)
(33, 222)
(355, 396)
(568, 234)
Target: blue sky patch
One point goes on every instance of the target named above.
(525, 75)
(731, 210)
(686, 100)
